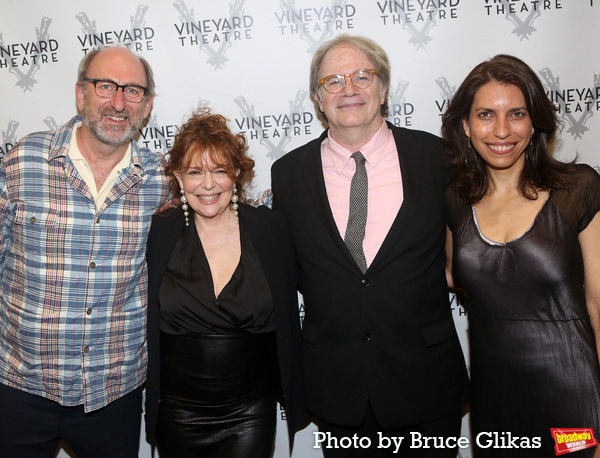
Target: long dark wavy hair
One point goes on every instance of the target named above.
(468, 172)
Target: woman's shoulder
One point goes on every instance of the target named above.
(457, 209)
(166, 217)
(584, 181)
(586, 175)
(262, 214)
(581, 200)
(264, 219)
(254, 211)
(168, 210)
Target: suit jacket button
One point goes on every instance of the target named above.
(366, 337)
(364, 282)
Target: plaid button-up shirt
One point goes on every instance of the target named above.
(73, 280)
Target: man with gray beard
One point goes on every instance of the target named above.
(75, 210)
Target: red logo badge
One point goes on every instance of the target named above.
(567, 440)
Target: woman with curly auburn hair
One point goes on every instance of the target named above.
(524, 245)
(223, 325)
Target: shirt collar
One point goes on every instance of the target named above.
(372, 150)
(75, 152)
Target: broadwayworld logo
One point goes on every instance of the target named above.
(567, 440)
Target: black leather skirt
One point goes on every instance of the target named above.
(217, 396)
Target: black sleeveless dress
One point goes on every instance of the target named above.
(218, 357)
(532, 348)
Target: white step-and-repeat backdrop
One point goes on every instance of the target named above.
(249, 60)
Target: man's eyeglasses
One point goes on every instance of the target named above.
(108, 88)
(361, 79)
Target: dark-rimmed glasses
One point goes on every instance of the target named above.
(361, 79)
(108, 88)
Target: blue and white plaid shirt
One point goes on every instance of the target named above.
(73, 279)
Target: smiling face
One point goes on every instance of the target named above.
(499, 125)
(352, 108)
(113, 121)
(207, 187)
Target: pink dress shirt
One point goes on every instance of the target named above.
(385, 185)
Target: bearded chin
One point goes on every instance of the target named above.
(112, 137)
(109, 136)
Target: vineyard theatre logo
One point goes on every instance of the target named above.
(160, 137)
(213, 35)
(274, 130)
(400, 110)
(446, 94)
(456, 307)
(24, 59)
(575, 105)
(51, 123)
(418, 17)
(156, 137)
(9, 138)
(522, 13)
(138, 38)
(301, 311)
(315, 24)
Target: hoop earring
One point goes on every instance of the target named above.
(185, 208)
(234, 205)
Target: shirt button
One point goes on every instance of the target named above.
(86, 349)
(92, 265)
(364, 282)
(366, 337)
(88, 311)
(32, 219)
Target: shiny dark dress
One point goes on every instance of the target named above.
(218, 370)
(533, 356)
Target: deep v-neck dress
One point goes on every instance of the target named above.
(187, 299)
(532, 348)
(218, 358)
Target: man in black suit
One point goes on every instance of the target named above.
(381, 355)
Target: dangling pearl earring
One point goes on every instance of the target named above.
(185, 207)
(234, 205)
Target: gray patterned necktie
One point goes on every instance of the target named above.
(357, 217)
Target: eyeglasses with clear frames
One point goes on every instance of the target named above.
(108, 88)
(361, 79)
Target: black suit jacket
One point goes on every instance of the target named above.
(386, 337)
(269, 234)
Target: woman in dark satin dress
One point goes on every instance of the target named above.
(524, 244)
(223, 325)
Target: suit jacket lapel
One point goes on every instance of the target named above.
(312, 166)
(275, 271)
(168, 231)
(410, 168)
